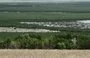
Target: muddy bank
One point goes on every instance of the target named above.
(13, 29)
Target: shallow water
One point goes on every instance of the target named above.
(84, 21)
(82, 24)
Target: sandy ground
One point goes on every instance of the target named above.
(44, 53)
(10, 29)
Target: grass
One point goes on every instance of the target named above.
(43, 16)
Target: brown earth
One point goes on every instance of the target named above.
(44, 53)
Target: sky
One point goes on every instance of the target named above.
(41, 0)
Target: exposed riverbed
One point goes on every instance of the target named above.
(13, 29)
(81, 24)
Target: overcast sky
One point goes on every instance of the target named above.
(40, 0)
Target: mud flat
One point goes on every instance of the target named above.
(10, 29)
(44, 53)
(81, 24)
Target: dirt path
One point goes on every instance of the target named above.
(44, 53)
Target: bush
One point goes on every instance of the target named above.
(46, 41)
